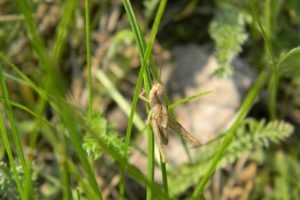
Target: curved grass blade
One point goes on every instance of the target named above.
(190, 98)
(245, 107)
(88, 56)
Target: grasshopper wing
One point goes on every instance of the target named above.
(179, 129)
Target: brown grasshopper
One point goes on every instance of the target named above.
(161, 121)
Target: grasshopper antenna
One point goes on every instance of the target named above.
(152, 74)
(159, 74)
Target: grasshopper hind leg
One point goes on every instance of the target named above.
(164, 135)
(159, 140)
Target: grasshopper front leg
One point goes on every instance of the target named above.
(142, 97)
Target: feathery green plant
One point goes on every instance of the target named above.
(250, 134)
(8, 188)
(105, 131)
(228, 31)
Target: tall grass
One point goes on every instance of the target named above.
(144, 57)
(23, 193)
(55, 86)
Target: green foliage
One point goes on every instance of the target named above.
(122, 38)
(8, 187)
(150, 6)
(256, 133)
(287, 176)
(281, 185)
(62, 30)
(228, 31)
(284, 182)
(289, 65)
(250, 134)
(106, 132)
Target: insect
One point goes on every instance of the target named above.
(161, 121)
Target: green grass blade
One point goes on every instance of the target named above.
(272, 93)
(184, 100)
(10, 157)
(264, 35)
(55, 86)
(89, 65)
(273, 82)
(27, 80)
(244, 109)
(85, 186)
(88, 56)
(135, 27)
(118, 98)
(24, 108)
(52, 82)
(62, 30)
(150, 163)
(27, 172)
(165, 179)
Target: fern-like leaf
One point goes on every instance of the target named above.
(8, 187)
(228, 31)
(250, 134)
(106, 132)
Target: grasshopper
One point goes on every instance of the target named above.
(161, 121)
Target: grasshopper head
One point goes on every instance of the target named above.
(159, 88)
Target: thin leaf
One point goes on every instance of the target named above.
(187, 99)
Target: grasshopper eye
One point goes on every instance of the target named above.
(161, 89)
